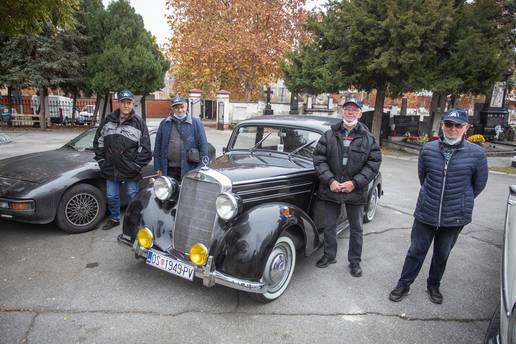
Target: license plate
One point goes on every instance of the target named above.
(170, 265)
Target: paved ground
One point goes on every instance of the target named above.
(63, 288)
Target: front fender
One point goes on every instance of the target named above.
(145, 210)
(247, 242)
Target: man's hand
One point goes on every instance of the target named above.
(159, 173)
(335, 186)
(347, 186)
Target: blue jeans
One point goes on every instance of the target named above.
(421, 238)
(113, 196)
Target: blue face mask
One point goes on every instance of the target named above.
(452, 142)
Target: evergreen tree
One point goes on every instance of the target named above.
(128, 58)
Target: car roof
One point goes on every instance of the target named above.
(319, 123)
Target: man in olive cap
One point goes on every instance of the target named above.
(346, 159)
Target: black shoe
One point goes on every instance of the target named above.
(325, 261)
(434, 294)
(110, 224)
(355, 270)
(398, 293)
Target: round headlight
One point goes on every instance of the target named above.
(164, 187)
(198, 254)
(227, 206)
(145, 238)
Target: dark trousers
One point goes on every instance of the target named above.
(174, 172)
(355, 215)
(421, 238)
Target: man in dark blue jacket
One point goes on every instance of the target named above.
(180, 138)
(452, 172)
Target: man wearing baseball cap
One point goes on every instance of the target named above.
(452, 172)
(181, 143)
(346, 159)
(122, 149)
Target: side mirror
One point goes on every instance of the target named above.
(224, 149)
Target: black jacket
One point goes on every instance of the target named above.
(362, 167)
(122, 149)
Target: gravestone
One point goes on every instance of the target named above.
(407, 124)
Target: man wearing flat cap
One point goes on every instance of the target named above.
(452, 173)
(122, 148)
(346, 159)
(181, 143)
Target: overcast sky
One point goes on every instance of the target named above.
(154, 12)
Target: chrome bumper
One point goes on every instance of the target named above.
(209, 276)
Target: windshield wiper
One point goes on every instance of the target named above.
(298, 149)
(260, 142)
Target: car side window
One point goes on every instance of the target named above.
(279, 139)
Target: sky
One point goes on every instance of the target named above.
(154, 12)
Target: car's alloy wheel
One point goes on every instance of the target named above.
(278, 269)
(371, 206)
(81, 209)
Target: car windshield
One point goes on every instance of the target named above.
(279, 139)
(84, 141)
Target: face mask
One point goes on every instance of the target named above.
(452, 142)
(180, 117)
(350, 123)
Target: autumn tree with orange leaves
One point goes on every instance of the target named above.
(235, 45)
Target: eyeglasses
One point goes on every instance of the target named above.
(450, 125)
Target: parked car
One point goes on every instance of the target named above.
(502, 328)
(240, 221)
(85, 116)
(62, 185)
(59, 108)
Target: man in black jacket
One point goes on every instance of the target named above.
(122, 149)
(346, 159)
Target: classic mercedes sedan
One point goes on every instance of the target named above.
(241, 220)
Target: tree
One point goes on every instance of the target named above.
(30, 17)
(476, 53)
(129, 58)
(231, 44)
(48, 60)
(368, 45)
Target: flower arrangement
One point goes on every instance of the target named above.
(478, 139)
(419, 140)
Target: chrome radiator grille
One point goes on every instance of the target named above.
(195, 213)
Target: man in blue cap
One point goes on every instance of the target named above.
(122, 149)
(346, 159)
(452, 172)
(181, 143)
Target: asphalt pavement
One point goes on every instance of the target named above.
(86, 288)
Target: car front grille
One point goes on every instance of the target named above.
(195, 213)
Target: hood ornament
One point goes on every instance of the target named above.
(205, 161)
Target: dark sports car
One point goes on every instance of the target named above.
(241, 220)
(62, 185)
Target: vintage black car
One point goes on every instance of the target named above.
(62, 185)
(239, 221)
